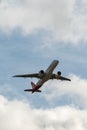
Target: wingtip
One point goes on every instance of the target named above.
(69, 79)
(14, 76)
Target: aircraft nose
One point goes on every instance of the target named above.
(56, 61)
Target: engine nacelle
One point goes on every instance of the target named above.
(59, 73)
(41, 73)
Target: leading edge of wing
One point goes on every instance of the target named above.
(27, 75)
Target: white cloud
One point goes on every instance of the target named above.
(77, 89)
(65, 19)
(19, 115)
(5, 88)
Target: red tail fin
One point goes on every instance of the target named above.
(35, 88)
(33, 85)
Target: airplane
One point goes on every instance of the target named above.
(43, 76)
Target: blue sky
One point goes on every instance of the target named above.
(32, 34)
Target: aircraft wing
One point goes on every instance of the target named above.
(63, 78)
(28, 75)
(53, 76)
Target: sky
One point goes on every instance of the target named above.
(32, 34)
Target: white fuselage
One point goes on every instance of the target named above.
(48, 73)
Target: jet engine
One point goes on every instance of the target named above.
(41, 73)
(59, 73)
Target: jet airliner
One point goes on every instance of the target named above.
(43, 76)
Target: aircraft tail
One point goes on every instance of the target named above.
(33, 85)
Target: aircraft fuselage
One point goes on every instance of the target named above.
(47, 75)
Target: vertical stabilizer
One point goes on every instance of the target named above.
(33, 85)
(34, 88)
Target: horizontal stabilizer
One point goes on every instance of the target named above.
(31, 90)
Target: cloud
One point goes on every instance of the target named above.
(20, 115)
(74, 90)
(65, 20)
